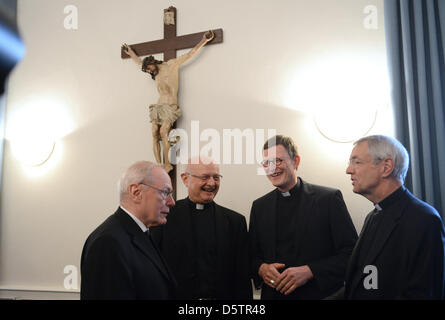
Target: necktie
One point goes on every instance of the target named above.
(156, 249)
(148, 235)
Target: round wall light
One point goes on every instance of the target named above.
(33, 127)
(32, 150)
(342, 93)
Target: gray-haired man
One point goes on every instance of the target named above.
(400, 252)
(119, 259)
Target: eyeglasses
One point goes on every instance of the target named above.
(206, 177)
(276, 162)
(164, 192)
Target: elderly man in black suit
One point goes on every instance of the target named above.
(205, 243)
(119, 259)
(301, 235)
(400, 252)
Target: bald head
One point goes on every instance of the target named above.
(198, 161)
(201, 177)
(138, 172)
(143, 191)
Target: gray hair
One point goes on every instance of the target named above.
(381, 147)
(138, 172)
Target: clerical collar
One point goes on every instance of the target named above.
(198, 206)
(138, 222)
(390, 200)
(292, 191)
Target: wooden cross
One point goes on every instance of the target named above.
(171, 43)
(168, 46)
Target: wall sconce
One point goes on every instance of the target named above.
(33, 151)
(33, 127)
(341, 93)
(343, 126)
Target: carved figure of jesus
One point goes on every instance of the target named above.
(166, 111)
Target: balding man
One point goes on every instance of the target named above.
(204, 243)
(119, 259)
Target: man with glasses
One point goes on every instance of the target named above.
(301, 235)
(401, 250)
(119, 258)
(205, 244)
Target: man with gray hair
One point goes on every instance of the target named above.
(119, 259)
(400, 252)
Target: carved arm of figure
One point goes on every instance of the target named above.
(132, 54)
(208, 36)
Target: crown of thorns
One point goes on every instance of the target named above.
(148, 61)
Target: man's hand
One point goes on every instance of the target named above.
(293, 278)
(269, 272)
(128, 50)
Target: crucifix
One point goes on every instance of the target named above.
(166, 111)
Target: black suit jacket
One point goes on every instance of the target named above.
(324, 239)
(120, 262)
(408, 253)
(176, 242)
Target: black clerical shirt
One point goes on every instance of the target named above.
(286, 222)
(204, 229)
(369, 238)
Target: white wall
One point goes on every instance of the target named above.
(254, 79)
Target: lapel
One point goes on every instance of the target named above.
(141, 241)
(389, 221)
(144, 244)
(305, 208)
(354, 255)
(164, 263)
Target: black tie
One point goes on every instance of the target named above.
(148, 234)
(153, 244)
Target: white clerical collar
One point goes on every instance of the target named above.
(287, 193)
(139, 222)
(199, 206)
(379, 208)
